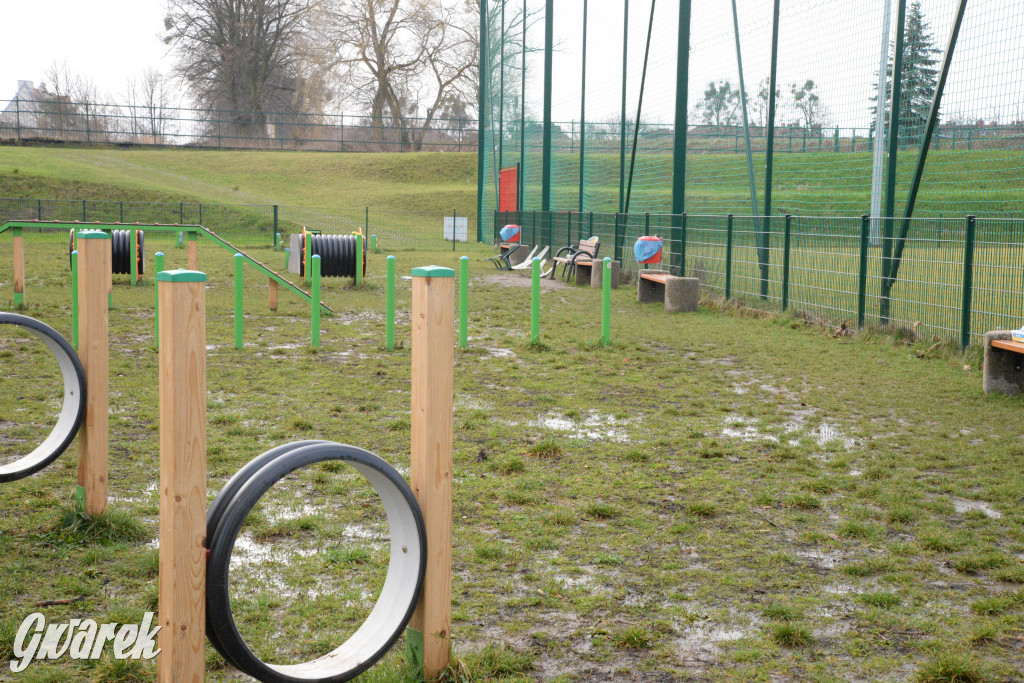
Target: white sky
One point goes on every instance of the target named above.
(107, 40)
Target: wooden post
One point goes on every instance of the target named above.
(93, 446)
(193, 257)
(433, 359)
(273, 294)
(182, 581)
(19, 269)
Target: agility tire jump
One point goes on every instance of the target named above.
(120, 251)
(402, 586)
(337, 253)
(72, 410)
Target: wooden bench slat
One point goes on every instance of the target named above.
(1008, 345)
(655, 277)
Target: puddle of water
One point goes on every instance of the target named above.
(824, 560)
(594, 425)
(498, 352)
(745, 429)
(962, 505)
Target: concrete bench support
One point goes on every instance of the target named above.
(1003, 371)
(594, 276)
(679, 293)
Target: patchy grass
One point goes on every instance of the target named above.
(719, 527)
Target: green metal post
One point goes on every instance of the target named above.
(158, 267)
(606, 301)
(389, 316)
(894, 140)
(968, 285)
(785, 263)
(359, 260)
(681, 114)
(239, 262)
(454, 235)
(121, 212)
(647, 223)
(181, 213)
(83, 211)
(616, 244)
(501, 95)
(535, 302)
(366, 222)
(463, 302)
(835, 148)
(74, 299)
(277, 235)
(481, 154)
(133, 256)
(622, 116)
(862, 270)
(373, 243)
(287, 258)
(315, 297)
(546, 165)
(763, 253)
(520, 175)
(728, 257)
(277, 241)
(682, 246)
(583, 112)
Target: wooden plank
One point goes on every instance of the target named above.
(19, 267)
(193, 257)
(1008, 345)
(273, 294)
(93, 438)
(655, 277)
(182, 581)
(433, 358)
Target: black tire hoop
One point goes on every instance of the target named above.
(72, 410)
(402, 586)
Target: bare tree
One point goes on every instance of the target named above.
(74, 106)
(238, 54)
(149, 101)
(404, 58)
(808, 104)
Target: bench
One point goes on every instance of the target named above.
(582, 254)
(588, 274)
(678, 293)
(1003, 369)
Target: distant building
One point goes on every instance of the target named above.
(32, 108)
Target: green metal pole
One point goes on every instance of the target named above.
(133, 257)
(728, 257)
(277, 241)
(481, 155)
(239, 262)
(359, 260)
(520, 176)
(454, 214)
(549, 39)
(373, 243)
(535, 302)
(315, 297)
(762, 247)
(606, 301)
(617, 243)
(287, 258)
(463, 302)
(74, 299)
(277, 235)
(785, 263)
(639, 107)
(158, 267)
(862, 270)
(501, 95)
(682, 246)
(770, 152)
(894, 142)
(622, 116)
(968, 285)
(681, 117)
(389, 316)
(583, 111)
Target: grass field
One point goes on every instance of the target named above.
(717, 496)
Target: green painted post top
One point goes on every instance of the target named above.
(181, 275)
(433, 271)
(92, 235)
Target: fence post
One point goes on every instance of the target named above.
(535, 301)
(606, 301)
(728, 256)
(463, 302)
(785, 262)
(359, 259)
(647, 223)
(19, 268)
(239, 275)
(121, 212)
(182, 576)
(862, 269)
(83, 211)
(158, 267)
(74, 299)
(968, 286)
(39, 209)
(277, 242)
(94, 281)
(682, 247)
(389, 321)
(181, 213)
(836, 142)
(432, 396)
(454, 233)
(616, 245)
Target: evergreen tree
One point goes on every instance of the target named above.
(918, 78)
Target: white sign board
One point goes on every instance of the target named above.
(461, 228)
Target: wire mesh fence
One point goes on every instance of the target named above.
(832, 147)
(244, 225)
(827, 267)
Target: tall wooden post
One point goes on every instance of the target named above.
(433, 359)
(273, 294)
(182, 604)
(19, 269)
(93, 445)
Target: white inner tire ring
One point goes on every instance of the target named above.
(395, 604)
(72, 410)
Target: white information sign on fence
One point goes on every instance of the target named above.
(461, 228)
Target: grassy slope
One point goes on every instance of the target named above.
(430, 182)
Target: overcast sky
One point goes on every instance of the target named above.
(833, 42)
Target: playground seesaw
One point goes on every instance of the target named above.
(196, 544)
